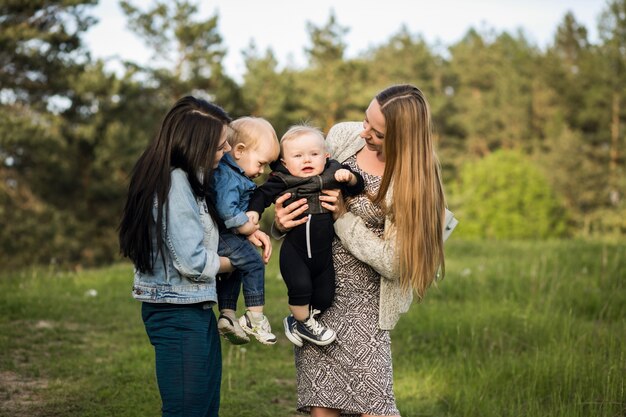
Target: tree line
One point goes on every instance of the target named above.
(531, 139)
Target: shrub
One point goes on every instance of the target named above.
(504, 196)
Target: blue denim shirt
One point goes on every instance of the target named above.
(184, 270)
(232, 192)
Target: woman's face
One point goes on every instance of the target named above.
(374, 128)
(222, 148)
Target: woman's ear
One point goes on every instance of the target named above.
(238, 150)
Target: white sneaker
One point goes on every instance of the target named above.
(229, 328)
(257, 327)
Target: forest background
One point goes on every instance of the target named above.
(531, 139)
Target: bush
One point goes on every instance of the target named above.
(504, 196)
(35, 233)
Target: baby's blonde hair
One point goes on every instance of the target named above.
(253, 132)
(298, 130)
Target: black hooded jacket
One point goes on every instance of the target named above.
(280, 181)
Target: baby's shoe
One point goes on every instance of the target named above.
(257, 325)
(312, 331)
(289, 323)
(228, 326)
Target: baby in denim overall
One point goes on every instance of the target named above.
(254, 145)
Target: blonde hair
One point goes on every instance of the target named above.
(298, 130)
(251, 131)
(412, 171)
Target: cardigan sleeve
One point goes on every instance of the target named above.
(379, 253)
(343, 142)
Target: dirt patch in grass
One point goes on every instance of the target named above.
(47, 324)
(20, 396)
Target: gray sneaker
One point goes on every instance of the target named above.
(311, 330)
(261, 330)
(289, 323)
(230, 329)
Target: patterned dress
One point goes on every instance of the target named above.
(354, 373)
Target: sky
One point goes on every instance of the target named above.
(282, 24)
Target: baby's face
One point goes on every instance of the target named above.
(305, 155)
(253, 160)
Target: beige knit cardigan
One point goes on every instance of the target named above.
(343, 141)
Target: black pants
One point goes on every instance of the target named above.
(309, 279)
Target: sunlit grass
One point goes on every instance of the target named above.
(515, 329)
(518, 329)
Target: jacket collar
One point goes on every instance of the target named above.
(229, 161)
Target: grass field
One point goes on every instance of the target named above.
(515, 329)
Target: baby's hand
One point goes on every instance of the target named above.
(247, 228)
(343, 175)
(253, 216)
(262, 240)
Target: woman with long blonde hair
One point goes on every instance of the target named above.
(389, 246)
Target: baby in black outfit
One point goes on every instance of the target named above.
(306, 262)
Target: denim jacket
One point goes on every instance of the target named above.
(232, 192)
(184, 270)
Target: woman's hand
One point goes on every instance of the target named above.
(332, 201)
(262, 240)
(284, 216)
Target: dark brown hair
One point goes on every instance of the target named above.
(188, 139)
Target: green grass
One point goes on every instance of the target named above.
(515, 329)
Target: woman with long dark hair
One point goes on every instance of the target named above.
(169, 229)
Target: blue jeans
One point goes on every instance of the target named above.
(188, 358)
(250, 272)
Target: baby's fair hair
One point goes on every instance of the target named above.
(296, 131)
(254, 132)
